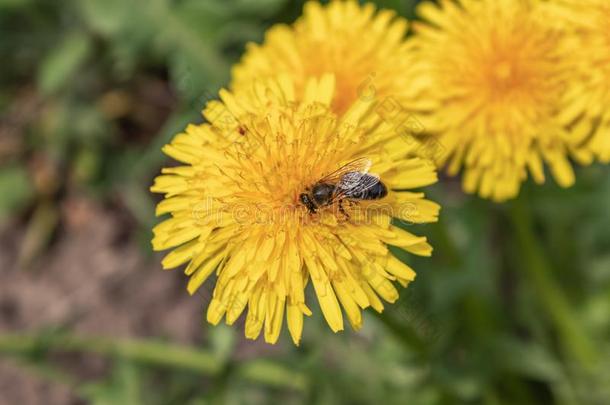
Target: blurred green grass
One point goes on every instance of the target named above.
(514, 306)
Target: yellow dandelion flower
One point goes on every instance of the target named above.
(590, 90)
(364, 48)
(497, 73)
(236, 211)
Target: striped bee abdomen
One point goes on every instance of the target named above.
(372, 189)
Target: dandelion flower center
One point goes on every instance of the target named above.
(496, 75)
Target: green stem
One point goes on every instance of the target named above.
(150, 352)
(268, 373)
(540, 273)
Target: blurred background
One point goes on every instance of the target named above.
(513, 308)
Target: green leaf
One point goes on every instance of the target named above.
(15, 190)
(260, 7)
(123, 387)
(14, 3)
(529, 360)
(107, 17)
(61, 64)
(222, 340)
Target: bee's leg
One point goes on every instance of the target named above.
(353, 204)
(342, 210)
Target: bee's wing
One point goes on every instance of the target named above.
(361, 165)
(353, 184)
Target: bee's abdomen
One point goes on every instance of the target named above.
(375, 192)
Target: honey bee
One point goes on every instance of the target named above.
(350, 182)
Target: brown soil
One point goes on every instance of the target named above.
(93, 281)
